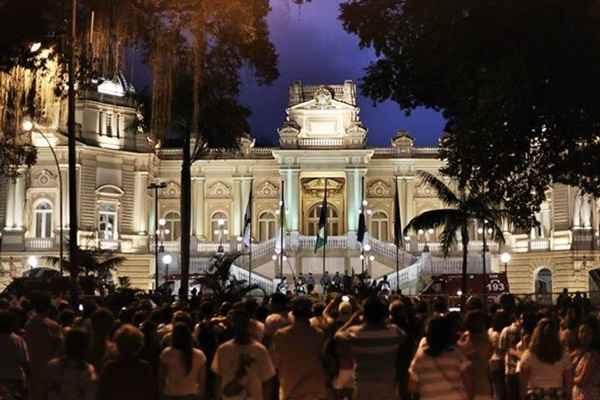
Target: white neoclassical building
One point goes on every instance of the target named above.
(322, 139)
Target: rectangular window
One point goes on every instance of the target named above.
(107, 222)
(39, 225)
(109, 124)
(118, 125)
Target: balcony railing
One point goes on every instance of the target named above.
(321, 142)
(333, 242)
(205, 247)
(40, 244)
(539, 244)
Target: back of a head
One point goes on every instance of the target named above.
(103, 321)
(76, 344)
(183, 317)
(240, 324)
(181, 340)
(500, 320)
(66, 317)
(7, 322)
(375, 311)
(475, 322)
(438, 335)
(545, 342)
(41, 303)
(302, 308)
(278, 302)
(440, 305)
(251, 306)
(129, 340)
(318, 309)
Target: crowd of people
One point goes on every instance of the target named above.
(298, 347)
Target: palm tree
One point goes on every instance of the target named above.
(93, 267)
(463, 208)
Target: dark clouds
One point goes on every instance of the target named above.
(314, 48)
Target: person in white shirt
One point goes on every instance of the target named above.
(243, 366)
(182, 367)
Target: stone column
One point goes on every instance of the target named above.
(291, 178)
(235, 226)
(10, 205)
(354, 200)
(19, 205)
(198, 207)
(140, 211)
(64, 171)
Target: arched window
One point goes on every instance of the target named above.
(107, 221)
(379, 226)
(267, 226)
(172, 226)
(333, 220)
(43, 220)
(219, 226)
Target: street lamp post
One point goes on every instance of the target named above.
(167, 259)
(156, 186)
(28, 126)
(505, 259)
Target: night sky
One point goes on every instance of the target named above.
(313, 47)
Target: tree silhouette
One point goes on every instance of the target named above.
(463, 209)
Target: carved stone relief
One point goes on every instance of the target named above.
(44, 178)
(267, 190)
(173, 190)
(219, 190)
(380, 188)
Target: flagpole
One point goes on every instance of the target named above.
(250, 256)
(362, 210)
(281, 211)
(325, 230)
(398, 239)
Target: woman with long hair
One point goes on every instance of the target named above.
(70, 377)
(438, 370)
(586, 363)
(545, 367)
(182, 371)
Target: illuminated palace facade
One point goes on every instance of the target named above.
(322, 137)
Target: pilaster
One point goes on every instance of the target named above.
(291, 178)
(140, 204)
(198, 207)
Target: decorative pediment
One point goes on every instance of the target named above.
(44, 178)
(219, 190)
(110, 191)
(317, 185)
(423, 190)
(267, 189)
(171, 191)
(380, 188)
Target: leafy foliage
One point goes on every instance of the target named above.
(93, 266)
(516, 81)
(221, 283)
(467, 208)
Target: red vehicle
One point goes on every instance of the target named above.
(449, 285)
